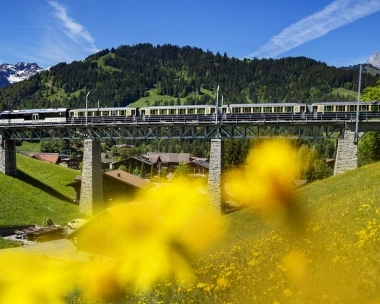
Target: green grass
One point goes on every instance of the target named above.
(343, 91)
(37, 192)
(326, 251)
(153, 96)
(29, 147)
(8, 244)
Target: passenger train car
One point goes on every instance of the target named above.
(196, 113)
(34, 116)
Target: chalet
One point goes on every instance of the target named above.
(135, 162)
(198, 166)
(118, 187)
(74, 163)
(106, 162)
(125, 147)
(102, 229)
(168, 161)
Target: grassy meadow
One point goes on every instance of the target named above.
(327, 252)
(38, 191)
(318, 245)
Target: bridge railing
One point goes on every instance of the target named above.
(224, 118)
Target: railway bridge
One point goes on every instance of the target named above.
(92, 132)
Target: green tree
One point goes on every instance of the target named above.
(123, 168)
(369, 148)
(235, 152)
(181, 170)
(320, 170)
(136, 171)
(371, 93)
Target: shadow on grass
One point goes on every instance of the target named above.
(38, 184)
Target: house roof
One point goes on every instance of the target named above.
(200, 162)
(169, 157)
(116, 212)
(130, 179)
(123, 177)
(138, 158)
(47, 157)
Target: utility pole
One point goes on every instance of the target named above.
(217, 104)
(87, 105)
(356, 139)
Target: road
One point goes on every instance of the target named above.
(61, 249)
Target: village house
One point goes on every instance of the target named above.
(167, 161)
(103, 229)
(118, 187)
(52, 158)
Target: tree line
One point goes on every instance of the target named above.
(118, 77)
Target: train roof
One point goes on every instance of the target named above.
(28, 111)
(285, 104)
(179, 107)
(343, 103)
(103, 109)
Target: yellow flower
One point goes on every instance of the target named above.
(287, 293)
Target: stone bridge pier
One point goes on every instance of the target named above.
(91, 195)
(215, 178)
(347, 147)
(8, 157)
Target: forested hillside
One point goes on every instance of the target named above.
(186, 75)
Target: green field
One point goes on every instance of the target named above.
(327, 250)
(343, 91)
(38, 191)
(322, 248)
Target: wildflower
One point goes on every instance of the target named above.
(287, 293)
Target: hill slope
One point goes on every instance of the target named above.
(332, 256)
(148, 75)
(37, 192)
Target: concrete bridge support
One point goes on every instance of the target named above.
(91, 196)
(215, 182)
(8, 157)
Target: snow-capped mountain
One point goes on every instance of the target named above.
(10, 73)
(374, 60)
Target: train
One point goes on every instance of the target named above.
(195, 113)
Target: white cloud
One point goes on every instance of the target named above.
(73, 29)
(335, 15)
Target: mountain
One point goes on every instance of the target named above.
(374, 60)
(146, 75)
(14, 73)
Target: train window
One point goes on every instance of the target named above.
(122, 113)
(277, 109)
(375, 108)
(81, 114)
(201, 111)
(182, 111)
(352, 108)
(154, 112)
(363, 108)
(191, 111)
(328, 108)
(113, 113)
(235, 110)
(247, 110)
(288, 109)
(105, 113)
(172, 111)
(267, 109)
(340, 109)
(256, 109)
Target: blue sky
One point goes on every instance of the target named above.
(338, 32)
